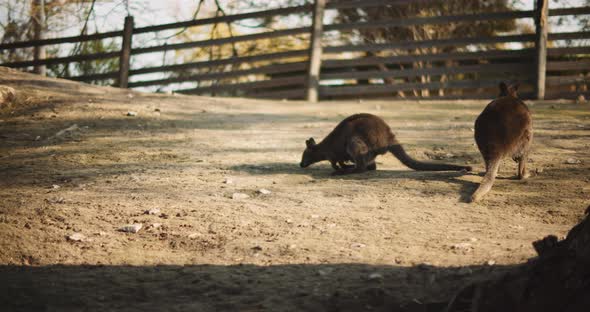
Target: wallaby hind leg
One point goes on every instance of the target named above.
(522, 172)
(371, 165)
(488, 180)
(334, 165)
(358, 152)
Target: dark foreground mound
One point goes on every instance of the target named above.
(557, 280)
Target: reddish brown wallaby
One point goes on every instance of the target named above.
(504, 128)
(359, 139)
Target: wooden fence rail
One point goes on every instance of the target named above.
(417, 68)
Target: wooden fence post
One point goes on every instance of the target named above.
(541, 32)
(124, 60)
(315, 51)
(38, 34)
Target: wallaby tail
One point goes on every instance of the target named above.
(487, 182)
(398, 151)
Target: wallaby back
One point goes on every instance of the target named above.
(502, 127)
(373, 130)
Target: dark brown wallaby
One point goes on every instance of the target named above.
(359, 139)
(504, 128)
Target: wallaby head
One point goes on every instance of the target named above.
(509, 90)
(311, 155)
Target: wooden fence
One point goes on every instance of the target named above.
(326, 71)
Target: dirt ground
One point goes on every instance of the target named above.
(389, 240)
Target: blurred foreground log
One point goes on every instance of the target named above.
(557, 280)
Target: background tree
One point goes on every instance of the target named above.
(38, 19)
(425, 32)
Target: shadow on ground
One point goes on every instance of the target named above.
(377, 177)
(299, 287)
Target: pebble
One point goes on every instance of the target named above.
(375, 276)
(324, 272)
(491, 262)
(462, 246)
(77, 237)
(153, 211)
(193, 235)
(131, 113)
(264, 192)
(315, 216)
(238, 196)
(358, 245)
(228, 181)
(516, 227)
(131, 228)
(572, 161)
(59, 200)
(289, 221)
(465, 271)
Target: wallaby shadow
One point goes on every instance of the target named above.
(324, 171)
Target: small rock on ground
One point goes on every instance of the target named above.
(465, 271)
(238, 196)
(573, 161)
(153, 211)
(264, 192)
(375, 276)
(358, 245)
(131, 228)
(325, 271)
(77, 237)
(462, 246)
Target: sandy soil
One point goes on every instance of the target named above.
(390, 240)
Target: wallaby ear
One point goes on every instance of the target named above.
(503, 89)
(310, 142)
(513, 89)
